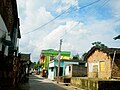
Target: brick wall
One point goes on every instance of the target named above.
(95, 59)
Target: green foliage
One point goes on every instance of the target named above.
(76, 57)
(99, 45)
(83, 56)
(35, 64)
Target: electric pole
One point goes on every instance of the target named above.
(59, 55)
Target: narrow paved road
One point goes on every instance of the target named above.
(37, 83)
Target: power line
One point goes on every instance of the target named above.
(86, 5)
(104, 3)
(79, 20)
(70, 29)
(61, 15)
(47, 22)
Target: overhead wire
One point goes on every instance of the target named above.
(76, 23)
(79, 21)
(45, 23)
(104, 3)
(61, 15)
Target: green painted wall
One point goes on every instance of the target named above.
(50, 52)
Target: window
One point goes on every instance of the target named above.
(95, 68)
(52, 69)
(102, 66)
(69, 68)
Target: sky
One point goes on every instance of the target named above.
(78, 23)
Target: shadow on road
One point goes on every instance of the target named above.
(35, 77)
(36, 83)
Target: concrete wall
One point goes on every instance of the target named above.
(75, 71)
(95, 84)
(51, 64)
(63, 64)
(67, 71)
(67, 63)
(54, 64)
(51, 74)
(3, 34)
(79, 71)
(3, 31)
(96, 69)
(84, 83)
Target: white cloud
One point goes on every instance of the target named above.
(63, 32)
(77, 38)
(66, 4)
(115, 5)
(71, 2)
(21, 3)
(36, 18)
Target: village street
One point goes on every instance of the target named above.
(73, 42)
(38, 83)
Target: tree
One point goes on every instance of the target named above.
(35, 65)
(99, 45)
(76, 57)
(83, 56)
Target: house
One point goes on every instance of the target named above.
(104, 64)
(75, 70)
(9, 30)
(24, 66)
(9, 47)
(48, 55)
(53, 67)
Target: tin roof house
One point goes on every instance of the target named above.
(104, 64)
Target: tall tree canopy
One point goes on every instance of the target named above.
(76, 57)
(99, 45)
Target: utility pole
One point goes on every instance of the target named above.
(59, 55)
